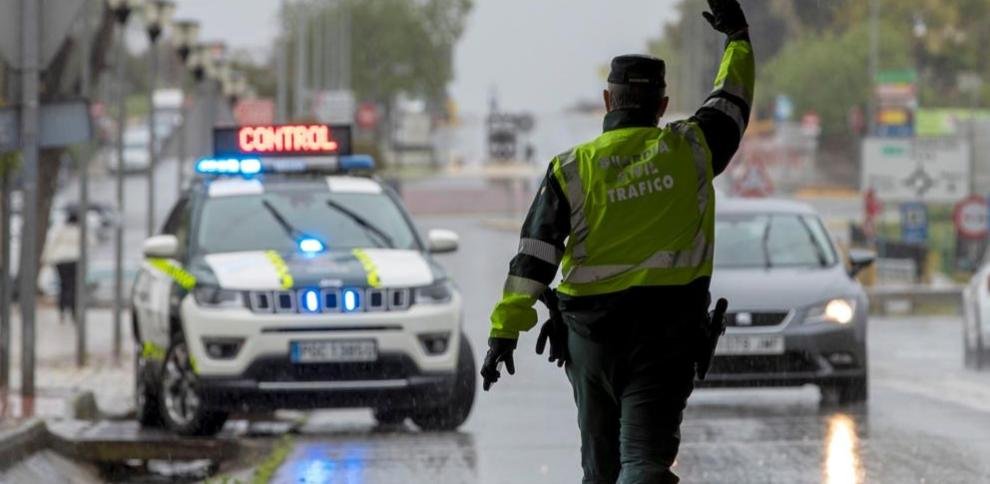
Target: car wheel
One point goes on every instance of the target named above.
(147, 408)
(845, 392)
(182, 408)
(457, 407)
(390, 417)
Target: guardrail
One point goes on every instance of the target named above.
(915, 299)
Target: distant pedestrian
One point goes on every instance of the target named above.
(63, 253)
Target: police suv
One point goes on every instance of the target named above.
(287, 281)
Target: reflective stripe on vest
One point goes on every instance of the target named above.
(575, 197)
(522, 285)
(729, 109)
(539, 249)
(699, 252)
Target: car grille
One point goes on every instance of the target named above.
(792, 362)
(387, 367)
(330, 300)
(745, 319)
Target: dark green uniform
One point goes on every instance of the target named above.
(629, 218)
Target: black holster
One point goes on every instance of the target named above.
(712, 328)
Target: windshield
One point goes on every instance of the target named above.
(764, 240)
(249, 223)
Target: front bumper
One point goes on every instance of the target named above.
(808, 358)
(267, 337)
(273, 382)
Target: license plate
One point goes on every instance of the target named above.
(750, 345)
(346, 351)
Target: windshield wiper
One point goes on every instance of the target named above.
(364, 223)
(765, 242)
(822, 259)
(293, 233)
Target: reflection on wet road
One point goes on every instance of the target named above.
(917, 427)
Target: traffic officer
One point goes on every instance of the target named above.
(630, 217)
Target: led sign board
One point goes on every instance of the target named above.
(282, 140)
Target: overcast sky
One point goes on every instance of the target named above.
(538, 54)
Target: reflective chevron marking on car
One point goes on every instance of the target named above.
(370, 268)
(281, 269)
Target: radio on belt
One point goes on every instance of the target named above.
(290, 148)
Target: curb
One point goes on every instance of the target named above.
(22, 441)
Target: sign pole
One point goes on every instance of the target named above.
(30, 39)
(152, 135)
(83, 265)
(118, 266)
(5, 283)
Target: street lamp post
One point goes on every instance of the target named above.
(157, 15)
(185, 34)
(121, 10)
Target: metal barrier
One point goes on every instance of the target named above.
(908, 298)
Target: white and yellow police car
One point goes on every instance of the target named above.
(296, 282)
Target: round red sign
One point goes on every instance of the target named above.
(972, 217)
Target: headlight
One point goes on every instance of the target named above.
(839, 310)
(216, 297)
(437, 293)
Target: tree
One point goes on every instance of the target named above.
(397, 46)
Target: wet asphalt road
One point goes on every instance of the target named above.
(928, 420)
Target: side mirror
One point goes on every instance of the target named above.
(161, 246)
(860, 259)
(442, 241)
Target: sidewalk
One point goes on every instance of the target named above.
(56, 376)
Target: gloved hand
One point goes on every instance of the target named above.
(727, 17)
(555, 332)
(499, 351)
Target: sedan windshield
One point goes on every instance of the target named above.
(771, 240)
(276, 220)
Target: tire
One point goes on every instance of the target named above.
(451, 414)
(846, 392)
(182, 409)
(147, 408)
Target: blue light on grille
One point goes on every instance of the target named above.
(311, 300)
(352, 300)
(310, 245)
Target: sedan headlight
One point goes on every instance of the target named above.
(437, 293)
(216, 297)
(839, 310)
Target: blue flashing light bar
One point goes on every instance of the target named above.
(357, 162)
(310, 301)
(253, 166)
(310, 245)
(228, 166)
(352, 300)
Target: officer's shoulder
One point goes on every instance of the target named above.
(575, 153)
(685, 129)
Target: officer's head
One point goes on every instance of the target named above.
(636, 82)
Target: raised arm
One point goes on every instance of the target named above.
(725, 115)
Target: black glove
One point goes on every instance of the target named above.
(556, 333)
(553, 330)
(499, 351)
(727, 17)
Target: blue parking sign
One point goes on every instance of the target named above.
(914, 223)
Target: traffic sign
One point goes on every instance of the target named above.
(972, 217)
(367, 115)
(929, 170)
(754, 181)
(914, 223)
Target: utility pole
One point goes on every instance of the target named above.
(282, 67)
(118, 267)
(30, 43)
(82, 268)
(874, 66)
(299, 96)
